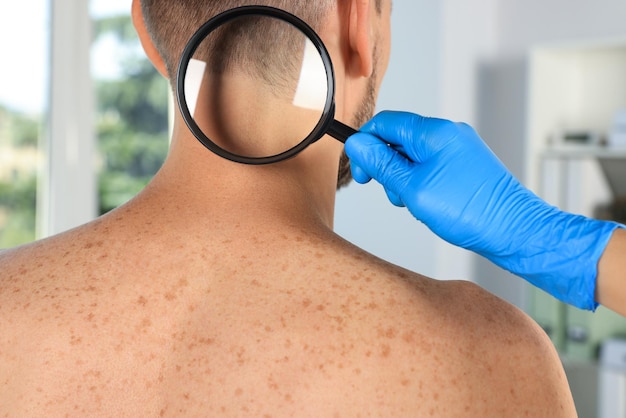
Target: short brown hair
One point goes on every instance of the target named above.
(171, 23)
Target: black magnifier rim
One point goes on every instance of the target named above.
(329, 108)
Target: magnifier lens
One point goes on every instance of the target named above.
(256, 86)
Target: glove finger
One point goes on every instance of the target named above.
(415, 136)
(394, 199)
(380, 162)
(358, 174)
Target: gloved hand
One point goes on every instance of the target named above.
(450, 180)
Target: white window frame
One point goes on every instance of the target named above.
(68, 184)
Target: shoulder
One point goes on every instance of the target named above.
(42, 264)
(474, 353)
(509, 364)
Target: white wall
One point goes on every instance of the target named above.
(363, 214)
(436, 49)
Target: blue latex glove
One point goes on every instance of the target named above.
(450, 180)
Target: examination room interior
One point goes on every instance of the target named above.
(543, 82)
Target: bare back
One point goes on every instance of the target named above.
(121, 318)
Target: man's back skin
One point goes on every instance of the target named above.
(277, 322)
(221, 290)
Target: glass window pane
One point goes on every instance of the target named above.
(24, 42)
(132, 106)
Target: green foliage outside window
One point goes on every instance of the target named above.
(19, 135)
(131, 119)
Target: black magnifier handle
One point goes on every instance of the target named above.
(340, 131)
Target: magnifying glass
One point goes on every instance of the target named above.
(258, 99)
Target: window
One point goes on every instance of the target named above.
(24, 40)
(52, 106)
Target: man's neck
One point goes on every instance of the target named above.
(196, 183)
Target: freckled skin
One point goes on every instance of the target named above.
(157, 333)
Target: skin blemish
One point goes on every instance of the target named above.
(385, 350)
(144, 325)
(271, 383)
(96, 374)
(74, 340)
(387, 333)
(241, 359)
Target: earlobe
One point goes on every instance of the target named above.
(361, 42)
(146, 39)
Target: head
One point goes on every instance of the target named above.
(363, 49)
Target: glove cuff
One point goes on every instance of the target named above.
(566, 264)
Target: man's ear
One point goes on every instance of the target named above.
(146, 39)
(360, 37)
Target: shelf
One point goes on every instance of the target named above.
(584, 151)
(612, 162)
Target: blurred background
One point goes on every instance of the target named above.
(84, 126)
